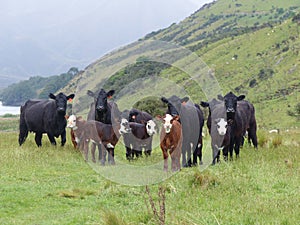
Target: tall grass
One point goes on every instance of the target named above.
(53, 185)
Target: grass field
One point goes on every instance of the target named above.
(53, 185)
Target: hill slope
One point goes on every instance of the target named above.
(250, 48)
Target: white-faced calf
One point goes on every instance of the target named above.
(171, 141)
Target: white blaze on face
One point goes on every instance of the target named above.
(124, 126)
(221, 126)
(167, 123)
(71, 122)
(150, 127)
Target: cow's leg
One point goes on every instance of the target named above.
(111, 156)
(165, 156)
(63, 138)
(148, 148)
(183, 154)
(128, 153)
(137, 149)
(237, 147)
(200, 145)
(230, 148)
(188, 149)
(253, 136)
(215, 154)
(51, 139)
(93, 150)
(196, 154)
(38, 139)
(225, 153)
(174, 160)
(86, 149)
(100, 149)
(103, 153)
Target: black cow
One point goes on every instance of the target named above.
(219, 129)
(192, 120)
(241, 118)
(44, 116)
(103, 111)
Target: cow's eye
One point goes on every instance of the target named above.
(218, 126)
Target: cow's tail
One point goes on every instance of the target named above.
(23, 130)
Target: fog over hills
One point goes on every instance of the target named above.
(48, 37)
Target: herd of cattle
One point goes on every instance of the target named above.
(230, 119)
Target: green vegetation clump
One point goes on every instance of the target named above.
(277, 141)
(35, 87)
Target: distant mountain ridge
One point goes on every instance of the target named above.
(46, 38)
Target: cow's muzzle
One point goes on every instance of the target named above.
(230, 110)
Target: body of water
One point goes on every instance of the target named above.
(15, 110)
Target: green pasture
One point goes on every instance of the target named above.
(54, 185)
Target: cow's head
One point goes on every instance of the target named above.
(133, 115)
(211, 105)
(221, 125)
(101, 99)
(174, 104)
(124, 126)
(167, 121)
(151, 127)
(61, 102)
(230, 101)
(71, 122)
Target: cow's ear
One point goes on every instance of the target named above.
(52, 96)
(204, 104)
(71, 96)
(241, 97)
(220, 97)
(185, 99)
(159, 117)
(134, 113)
(165, 100)
(110, 93)
(176, 117)
(90, 93)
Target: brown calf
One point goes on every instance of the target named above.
(98, 133)
(171, 139)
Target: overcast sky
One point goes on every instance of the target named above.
(47, 37)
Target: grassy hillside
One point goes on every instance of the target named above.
(53, 185)
(249, 47)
